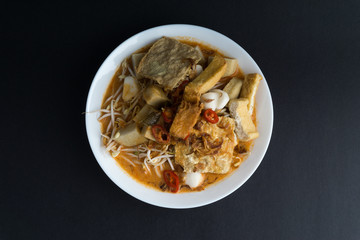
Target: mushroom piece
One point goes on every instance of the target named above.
(216, 99)
(210, 100)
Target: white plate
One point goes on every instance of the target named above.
(264, 111)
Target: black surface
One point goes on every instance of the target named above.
(308, 185)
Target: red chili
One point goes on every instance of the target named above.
(160, 134)
(187, 137)
(172, 180)
(168, 115)
(211, 116)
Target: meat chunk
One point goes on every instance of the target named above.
(168, 62)
(210, 149)
(245, 128)
(185, 119)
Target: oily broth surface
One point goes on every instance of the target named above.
(138, 171)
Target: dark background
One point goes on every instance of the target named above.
(308, 185)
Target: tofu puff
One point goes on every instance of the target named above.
(209, 148)
(185, 119)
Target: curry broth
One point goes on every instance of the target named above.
(151, 179)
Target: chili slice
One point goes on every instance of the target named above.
(187, 137)
(211, 116)
(168, 115)
(172, 180)
(160, 134)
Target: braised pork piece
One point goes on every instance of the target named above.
(178, 116)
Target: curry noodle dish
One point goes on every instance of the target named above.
(179, 116)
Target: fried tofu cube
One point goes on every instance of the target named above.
(245, 128)
(249, 88)
(231, 65)
(185, 119)
(233, 88)
(206, 80)
(219, 161)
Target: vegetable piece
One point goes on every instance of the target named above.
(147, 115)
(147, 132)
(231, 65)
(245, 128)
(206, 80)
(211, 116)
(117, 134)
(155, 96)
(233, 88)
(168, 115)
(135, 59)
(172, 180)
(194, 179)
(131, 88)
(202, 61)
(130, 136)
(160, 134)
(249, 89)
(152, 118)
